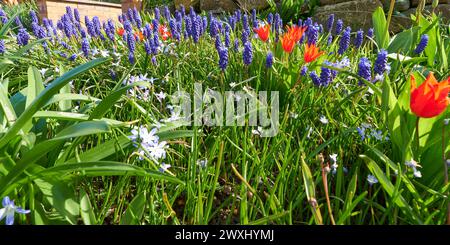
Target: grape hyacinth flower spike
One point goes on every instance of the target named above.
(422, 44)
(345, 41)
(269, 60)
(364, 70)
(248, 53)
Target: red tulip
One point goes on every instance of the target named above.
(311, 53)
(263, 32)
(120, 31)
(288, 42)
(430, 98)
(139, 35)
(164, 32)
(296, 32)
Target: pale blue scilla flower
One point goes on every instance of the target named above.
(323, 119)
(164, 167)
(414, 165)
(9, 209)
(371, 179)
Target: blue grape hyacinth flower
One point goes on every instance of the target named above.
(3, 17)
(339, 26)
(330, 22)
(359, 38)
(269, 60)
(22, 37)
(370, 33)
(381, 63)
(85, 47)
(2, 46)
(223, 58)
(248, 53)
(423, 43)
(364, 70)
(345, 41)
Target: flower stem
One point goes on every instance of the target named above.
(325, 186)
(445, 173)
(417, 136)
(391, 10)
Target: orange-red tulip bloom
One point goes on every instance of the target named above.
(263, 32)
(164, 32)
(288, 42)
(139, 35)
(296, 32)
(311, 53)
(120, 31)
(430, 98)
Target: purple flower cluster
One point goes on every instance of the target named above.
(73, 57)
(3, 17)
(223, 57)
(110, 29)
(269, 60)
(85, 47)
(254, 18)
(33, 17)
(330, 23)
(364, 70)
(325, 76)
(381, 63)
(359, 38)
(18, 22)
(422, 44)
(370, 33)
(304, 71)
(339, 26)
(270, 19)
(77, 15)
(131, 43)
(315, 78)
(174, 29)
(244, 37)
(330, 39)
(277, 25)
(248, 53)
(313, 34)
(137, 18)
(23, 37)
(213, 27)
(157, 14)
(2, 46)
(345, 41)
(197, 26)
(227, 37)
(236, 45)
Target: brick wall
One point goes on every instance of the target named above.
(54, 9)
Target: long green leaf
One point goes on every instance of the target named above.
(111, 99)
(389, 188)
(45, 96)
(87, 213)
(380, 28)
(37, 152)
(134, 211)
(311, 192)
